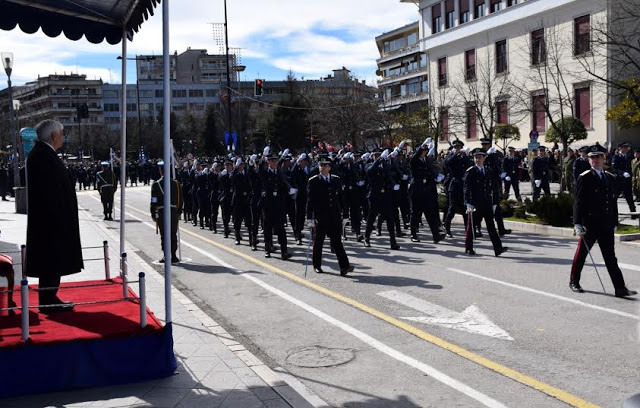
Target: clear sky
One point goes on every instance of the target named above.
(310, 38)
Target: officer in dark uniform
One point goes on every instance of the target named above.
(482, 198)
(241, 187)
(106, 183)
(214, 195)
(540, 167)
(273, 195)
(493, 163)
(185, 185)
(324, 213)
(82, 177)
(379, 195)
(286, 170)
(511, 167)
(621, 168)
(455, 164)
(255, 200)
(91, 175)
(353, 182)
(226, 194)
(595, 215)
(197, 168)
(202, 194)
(157, 210)
(4, 174)
(299, 179)
(404, 174)
(423, 184)
(580, 165)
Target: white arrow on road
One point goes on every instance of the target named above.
(471, 320)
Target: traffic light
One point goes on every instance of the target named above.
(258, 87)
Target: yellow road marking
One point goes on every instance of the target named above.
(550, 390)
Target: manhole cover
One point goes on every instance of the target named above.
(318, 356)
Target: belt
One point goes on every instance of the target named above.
(162, 207)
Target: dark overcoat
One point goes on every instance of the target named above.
(53, 232)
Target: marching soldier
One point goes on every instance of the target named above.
(567, 171)
(540, 169)
(353, 182)
(300, 177)
(493, 163)
(595, 215)
(226, 194)
(511, 167)
(380, 185)
(241, 187)
(185, 185)
(621, 168)
(157, 210)
(482, 198)
(202, 195)
(256, 199)
(324, 212)
(635, 173)
(214, 195)
(106, 183)
(423, 186)
(581, 164)
(455, 165)
(273, 196)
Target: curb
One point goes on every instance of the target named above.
(290, 389)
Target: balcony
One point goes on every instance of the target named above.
(402, 52)
(395, 103)
(403, 76)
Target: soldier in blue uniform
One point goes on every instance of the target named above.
(185, 185)
(324, 213)
(455, 164)
(379, 195)
(273, 196)
(482, 198)
(255, 201)
(202, 195)
(540, 170)
(226, 194)
(241, 187)
(595, 216)
(214, 195)
(580, 165)
(299, 179)
(511, 167)
(621, 168)
(353, 180)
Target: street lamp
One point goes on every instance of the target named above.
(7, 63)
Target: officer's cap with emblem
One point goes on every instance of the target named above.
(228, 160)
(457, 143)
(484, 141)
(624, 144)
(596, 150)
(511, 148)
(105, 163)
(478, 152)
(583, 149)
(272, 156)
(324, 159)
(542, 147)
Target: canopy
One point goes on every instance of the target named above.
(97, 20)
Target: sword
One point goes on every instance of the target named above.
(594, 264)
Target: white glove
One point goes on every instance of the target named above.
(626, 175)
(494, 208)
(311, 223)
(508, 178)
(366, 156)
(396, 187)
(439, 178)
(503, 175)
(426, 142)
(293, 191)
(579, 230)
(266, 151)
(466, 150)
(470, 208)
(402, 144)
(253, 157)
(405, 177)
(538, 183)
(432, 151)
(385, 154)
(361, 183)
(491, 150)
(224, 172)
(393, 154)
(239, 161)
(286, 152)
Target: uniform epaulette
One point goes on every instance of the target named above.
(312, 177)
(585, 172)
(336, 176)
(469, 169)
(609, 173)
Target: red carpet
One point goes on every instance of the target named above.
(95, 321)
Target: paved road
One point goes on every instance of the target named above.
(425, 326)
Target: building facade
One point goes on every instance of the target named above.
(523, 63)
(191, 67)
(403, 68)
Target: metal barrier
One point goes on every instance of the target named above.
(143, 300)
(123, 275)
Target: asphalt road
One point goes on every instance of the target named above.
(426, 326)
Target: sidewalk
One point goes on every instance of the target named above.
(214, 370)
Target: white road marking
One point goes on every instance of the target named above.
(425, 368)
(551, 295)
(471, 320)
(627, 266)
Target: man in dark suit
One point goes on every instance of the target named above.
(595, 216)
(53, 233)
(324, 193)
(481, 197)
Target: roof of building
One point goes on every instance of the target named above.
(96, 20)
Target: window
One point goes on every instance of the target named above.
(211, 93)
(199, 106)
(464, 12)
(196, 93)
(538, 48)
(470, 65)
(495, 5)
(583, 105)
(478, 10)
(159, 93)
(112, 107)
(511, 3)
(424, 85)
(444, 124)
(502, 112)
(179, 107)
(436, 19)
(412, 39)
(501, 56)
(538, 114)
(581, 35)
(132, 107)
(146, 93)
(442, 71)
(449, 14)
(179, 93)
(471, 123)
(414, 88)
(132, 93)
(110, 93)
(146, 107)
